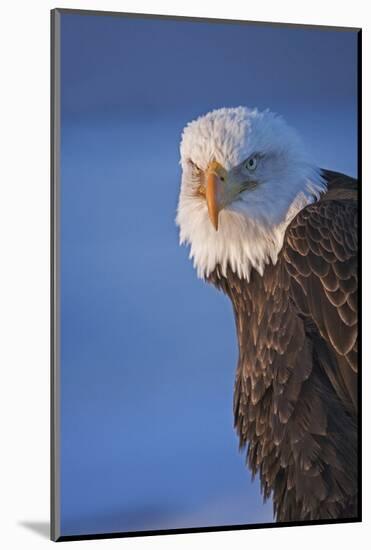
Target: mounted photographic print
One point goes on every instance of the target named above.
(205, 255)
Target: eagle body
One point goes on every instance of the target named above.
(279, 237)
(295, 401)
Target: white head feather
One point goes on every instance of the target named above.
(251, 228)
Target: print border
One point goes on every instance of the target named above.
(55, 515)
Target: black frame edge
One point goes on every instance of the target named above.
(359, 178)
(201, 19)
(54, 274)
(191, 530)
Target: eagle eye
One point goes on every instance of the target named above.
(251, 163)
(194, 166)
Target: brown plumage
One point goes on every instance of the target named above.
(295, 400)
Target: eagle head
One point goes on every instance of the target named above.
(245, 174)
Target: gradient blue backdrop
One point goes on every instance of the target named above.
(148, 351)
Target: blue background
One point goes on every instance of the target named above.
(148, 351)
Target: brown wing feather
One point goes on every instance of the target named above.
(295, 392)
(327, 289)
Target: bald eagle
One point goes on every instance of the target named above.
(279, 237)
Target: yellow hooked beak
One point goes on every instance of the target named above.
(214, 191)
(219, 191)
